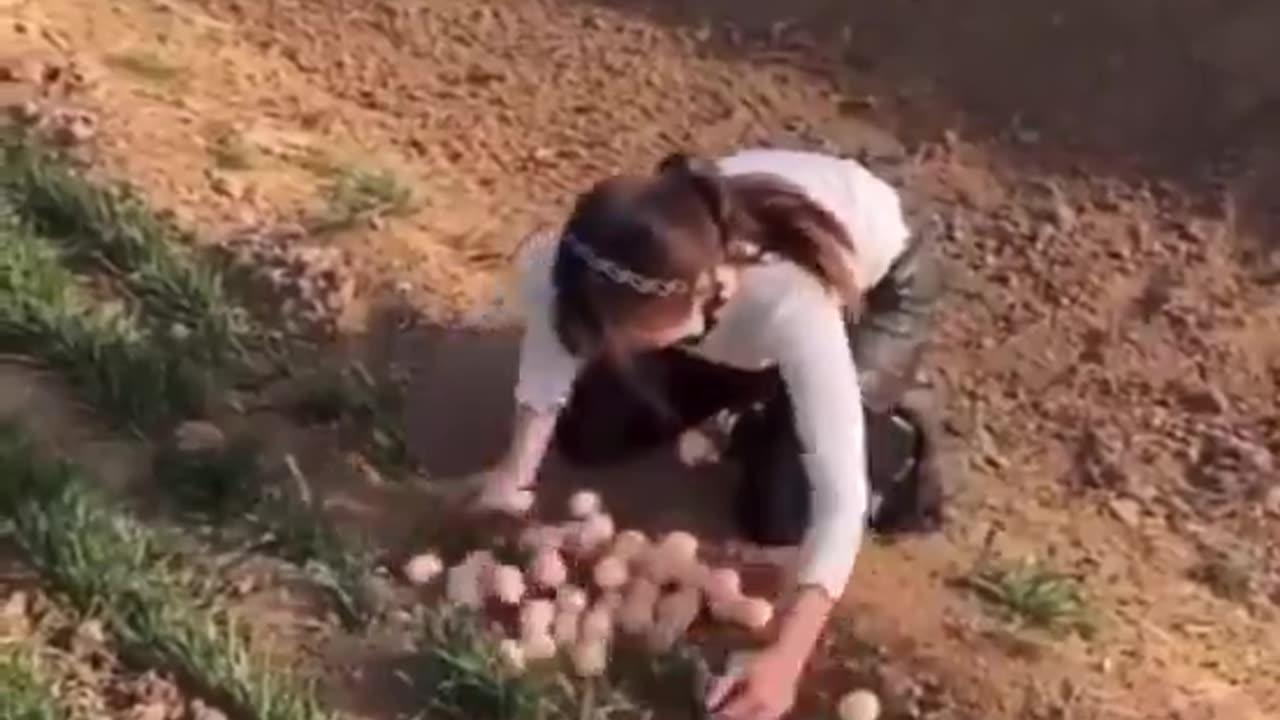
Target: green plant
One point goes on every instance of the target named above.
(375, 407)
(465, 677)
(24, 695)
(112, 230)
(354, 194)
(1028, 593)
(101, 348)
(104, 562)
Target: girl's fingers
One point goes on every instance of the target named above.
(743, 707)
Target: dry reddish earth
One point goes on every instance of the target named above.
(1110, 347)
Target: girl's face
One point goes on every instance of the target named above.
(718, 284)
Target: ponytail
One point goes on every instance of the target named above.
(761, 213)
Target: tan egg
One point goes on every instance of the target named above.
(547, 569)
(538, 647)
(638, 605)
(597, 531)
(584, 503)
(507, 584)
(610, 573)
(423, 568)
(536, 616)
(511, 654)
(572, 598)
(628, 545)
(859, 705)
(463, 586)
(675, 614)
(610, 601)
(752, 613)
(541, 537)
(597, 625)
(590, 658)
(691, 572)
(681, 545)
(565, 628)
(722, 584)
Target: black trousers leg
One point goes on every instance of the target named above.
(615, 414)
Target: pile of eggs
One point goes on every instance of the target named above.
(631, 585)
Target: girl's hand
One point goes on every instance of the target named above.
(762, 687)
(500, 489)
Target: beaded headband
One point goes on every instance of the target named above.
(621, 275)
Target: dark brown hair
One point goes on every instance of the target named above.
(677, 224)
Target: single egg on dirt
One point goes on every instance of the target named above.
(584, 503)
(421, 569)
(859, 705)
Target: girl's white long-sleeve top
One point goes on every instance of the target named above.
(781, 316)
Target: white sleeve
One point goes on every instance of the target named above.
(547, 369)
(817, 367)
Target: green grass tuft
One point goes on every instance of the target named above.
(111, 230)
(355, 194)
(104, 562)
(104, 352)
(1029, 594)
(24, 693)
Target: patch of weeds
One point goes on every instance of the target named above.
(230, 151)
(24, 693)
(217, 483)
(145, 65)
(1226, 575)
(104, 562)
(113, 231)
(307, 538)
(102, 350)
(355, 194)
(465, 678)
(373, 407)
(1029, 594)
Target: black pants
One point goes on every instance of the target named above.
(616, 413)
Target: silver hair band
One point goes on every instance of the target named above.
(624, 276)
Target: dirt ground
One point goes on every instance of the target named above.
(1110, 346)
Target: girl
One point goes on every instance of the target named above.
(781, 286)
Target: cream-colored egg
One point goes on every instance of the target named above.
(571, 597)
(511, 654)
(507, 584)
(423, 568)
(859, 705)
(590, 658)
(584, 503)
(610, 573)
